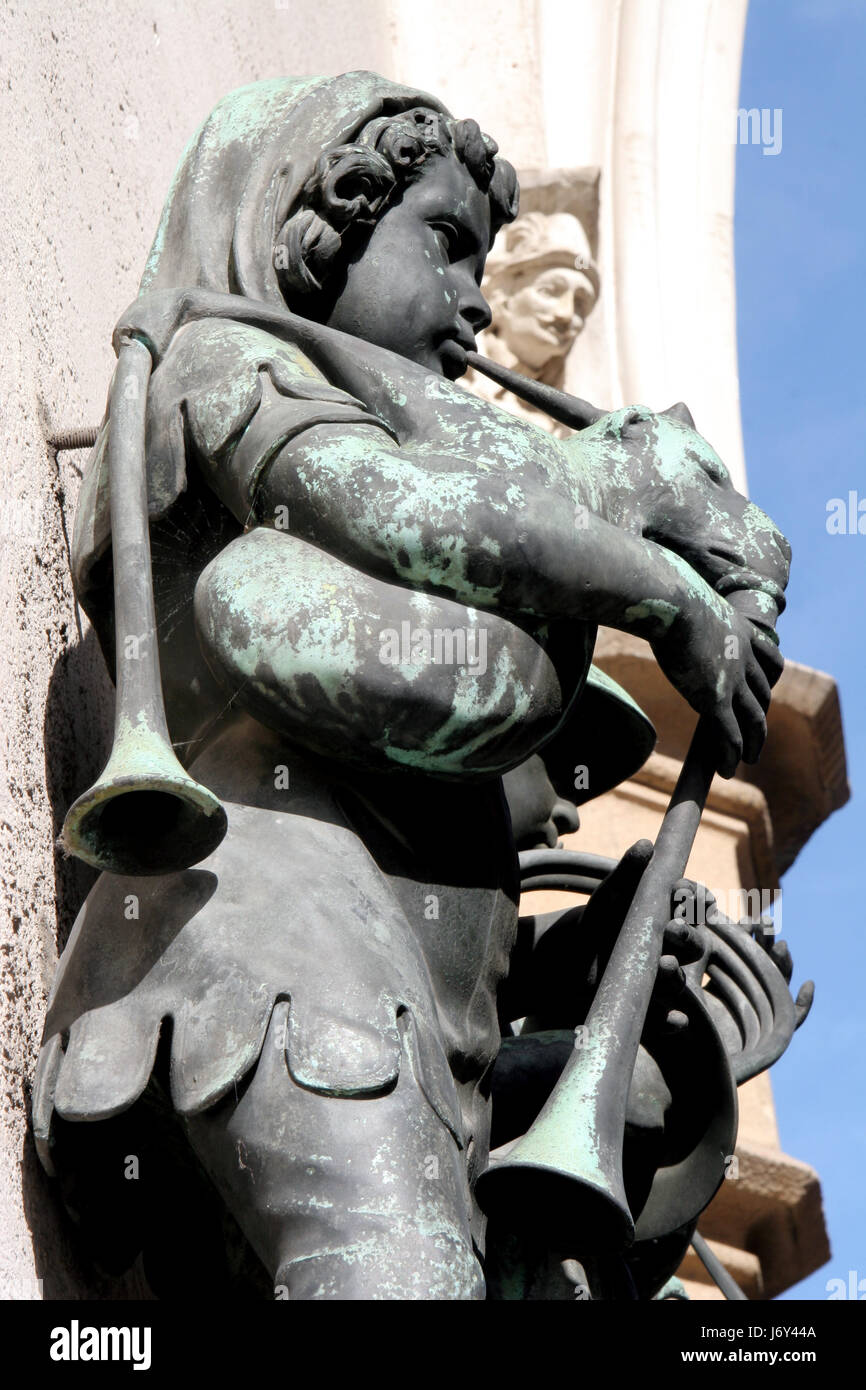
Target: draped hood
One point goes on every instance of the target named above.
(243, 170)
(237, 181)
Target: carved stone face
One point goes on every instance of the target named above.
(414, 288)
(543, 312)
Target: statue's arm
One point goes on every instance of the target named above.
(655, 476)
(493, 540)
(507, 543)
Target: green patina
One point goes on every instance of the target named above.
(450, 749)
(665, 613)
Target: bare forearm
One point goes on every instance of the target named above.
(492, 541)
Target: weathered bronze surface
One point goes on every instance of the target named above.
(293, 991)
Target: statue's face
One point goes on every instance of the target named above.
(544, 312)
(415, 286)
(538, 815)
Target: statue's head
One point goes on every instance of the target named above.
(352, 200)
(389, 235)
(542, 284)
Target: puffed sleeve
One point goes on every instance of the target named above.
(224, 398)
(231, 396)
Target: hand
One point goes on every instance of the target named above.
(725, 666)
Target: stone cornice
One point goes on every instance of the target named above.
(772, 1209)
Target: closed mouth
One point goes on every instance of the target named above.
(452, 349)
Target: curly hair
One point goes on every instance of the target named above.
(351, 186)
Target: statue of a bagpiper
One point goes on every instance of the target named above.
(288, 991)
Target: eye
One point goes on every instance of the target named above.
(448, 238)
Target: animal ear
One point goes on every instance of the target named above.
(680, 412)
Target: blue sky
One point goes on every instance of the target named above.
(801, 270)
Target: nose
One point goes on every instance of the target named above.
(565, 817)
(564, 311)
(472, 306)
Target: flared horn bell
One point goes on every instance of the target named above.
(145, 814)
(151, 823)
(562, 1182)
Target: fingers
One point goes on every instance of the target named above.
(781, 956)
(728, 742)
(635, 859)
(803, 1002)
(752, 724)
(618, 889)
(675, 1022)
(683, 943)
(767, 654)
(670, 982)
(692, 906)
(740, 730)
(750, 702)
(692, 902)
(758, 684)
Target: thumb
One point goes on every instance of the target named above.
(615, 893)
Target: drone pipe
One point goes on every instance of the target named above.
(559, 405)
(145, 814)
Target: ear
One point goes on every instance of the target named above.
(680, 412)
(352, 185)
(497, 300)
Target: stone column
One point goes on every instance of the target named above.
(647, 90)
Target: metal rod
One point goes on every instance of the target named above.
(716, 1270)
(562, 883)
(70, 439)
(566, 862)
(564, 1178)
(633, 964)
(144, 814)
(565, 870)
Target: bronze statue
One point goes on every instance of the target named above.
(375, 597)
